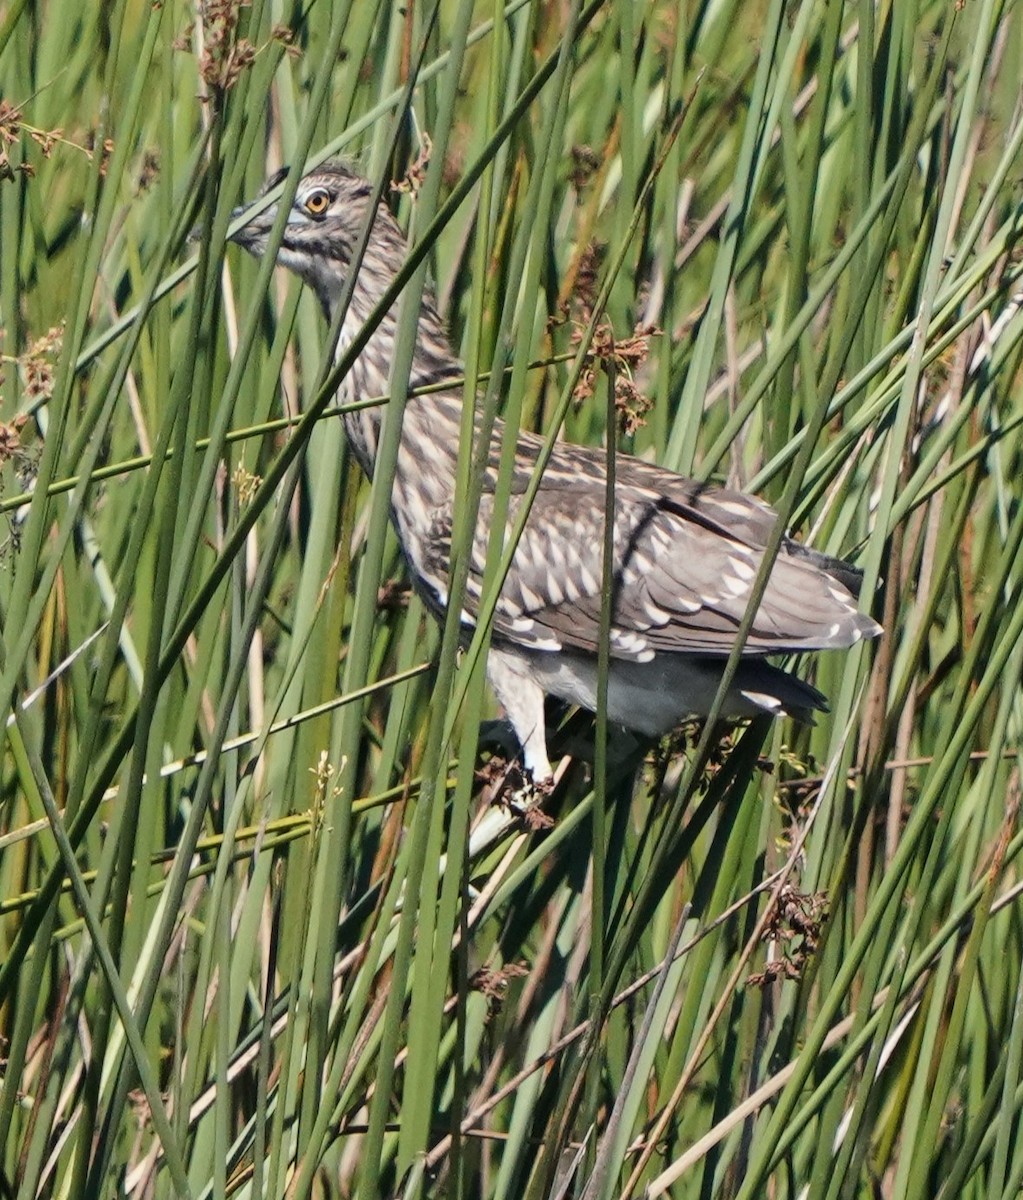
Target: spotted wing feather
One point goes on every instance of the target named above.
(685, 560)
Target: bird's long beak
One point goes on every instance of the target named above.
(253, 230)
(240, 235)
(259, 225)
(249, 233)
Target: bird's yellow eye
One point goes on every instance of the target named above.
(317, 202)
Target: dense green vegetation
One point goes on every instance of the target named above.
(265, 928)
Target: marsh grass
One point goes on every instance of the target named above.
(265, 929)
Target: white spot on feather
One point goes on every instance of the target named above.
(588, 580)
(530, 598)
(547, 642)
(732, 586)
(658, 616)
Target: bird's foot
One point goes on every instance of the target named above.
(527, 804)
(509, 784)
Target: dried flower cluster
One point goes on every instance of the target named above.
(393, 595)
(224, 55)
(25, 465)
(106, 149)
(10, 439)
(794, 926)
(584, 166)
(149, 171)
(415, 175)
(36, 365)
(286, 36)
(493, 984)
(619, 359)
(587, 277)
(13, 125)
(10, 132)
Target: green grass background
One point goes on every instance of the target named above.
(261, 931)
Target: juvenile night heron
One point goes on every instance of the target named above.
(685, 554)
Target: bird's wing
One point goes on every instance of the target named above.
(685, 560)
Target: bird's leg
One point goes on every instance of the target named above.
(522, 700)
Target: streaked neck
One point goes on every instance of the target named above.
(430, 423)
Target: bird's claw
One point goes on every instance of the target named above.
(512, 786)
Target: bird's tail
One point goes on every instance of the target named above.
(848, 576)
(771, 690)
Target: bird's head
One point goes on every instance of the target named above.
(323, 228)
